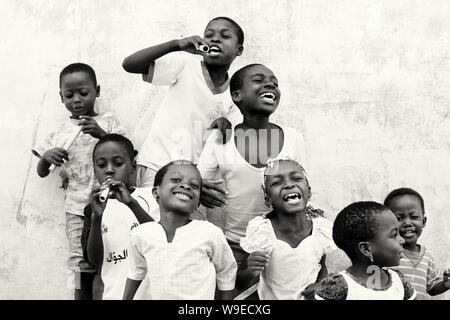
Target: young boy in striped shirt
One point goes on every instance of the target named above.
(417, 264)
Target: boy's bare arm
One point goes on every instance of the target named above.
(95, 240)
(442, 286)
(225, 295)
(131, 287)
(140, 61)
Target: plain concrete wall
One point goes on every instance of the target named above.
(367, 82)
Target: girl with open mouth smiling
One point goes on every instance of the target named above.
(288, 247)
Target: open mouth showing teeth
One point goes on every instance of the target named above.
(408, 234)
(292, 198)
(268, 96)
(182, 196)
(214, 51)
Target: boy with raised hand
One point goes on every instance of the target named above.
(198, 96)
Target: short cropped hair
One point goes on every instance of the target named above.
(404, 191)
(78, 67)
(237, 79)
(114, 137)
(160, 174)
(354, 224)
(237, 28)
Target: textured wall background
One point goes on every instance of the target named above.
(368, 84)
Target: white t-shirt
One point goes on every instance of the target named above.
(79, 170)
(179, 128)
(291, 270)
(187, 268)
(242, 180)
(117, 222)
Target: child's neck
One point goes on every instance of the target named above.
(297, 223)
(218, 74)
(291, 229)
(255, 122)
(412, 246)
(171, 221)
(363, 270)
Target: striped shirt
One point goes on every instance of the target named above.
(421, 270)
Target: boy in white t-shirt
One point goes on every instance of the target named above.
(108, 224)
(185, 259)
(197, 97)
(240, 161)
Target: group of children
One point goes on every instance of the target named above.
(147, 240)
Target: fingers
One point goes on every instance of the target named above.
(214, 185)
(211, 199)
(62, 153)
(197, 41)
(210, 203)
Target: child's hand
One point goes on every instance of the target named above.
(191, 45)
(212, 195)
(224, 126)
(96, 205)
(120, 190)
(446, 278)
(256, 262)
(90, 126)
(56, 156)
(310, 291)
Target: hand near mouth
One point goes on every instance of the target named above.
(192, 45)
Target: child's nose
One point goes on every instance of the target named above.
(76, 97)
(269, 84)
(109, 169)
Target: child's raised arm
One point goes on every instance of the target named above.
(140, 61)
(124, 196)
(95, 240)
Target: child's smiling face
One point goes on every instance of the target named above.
(111, 160)
(386, 245)
(259, 93)
(408, 210)
(287, 188)
(180, 189)
(223, 42)
(78, 93)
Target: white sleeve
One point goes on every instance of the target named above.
(224, 262)
(166, 70)
(208, 164)
(137, 265)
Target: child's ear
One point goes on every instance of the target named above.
(236, 96)
(155, 192)
(97, 90)
(62, 99)
(133, 166)
(239, 50)
(424, 222)
(364, 248)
